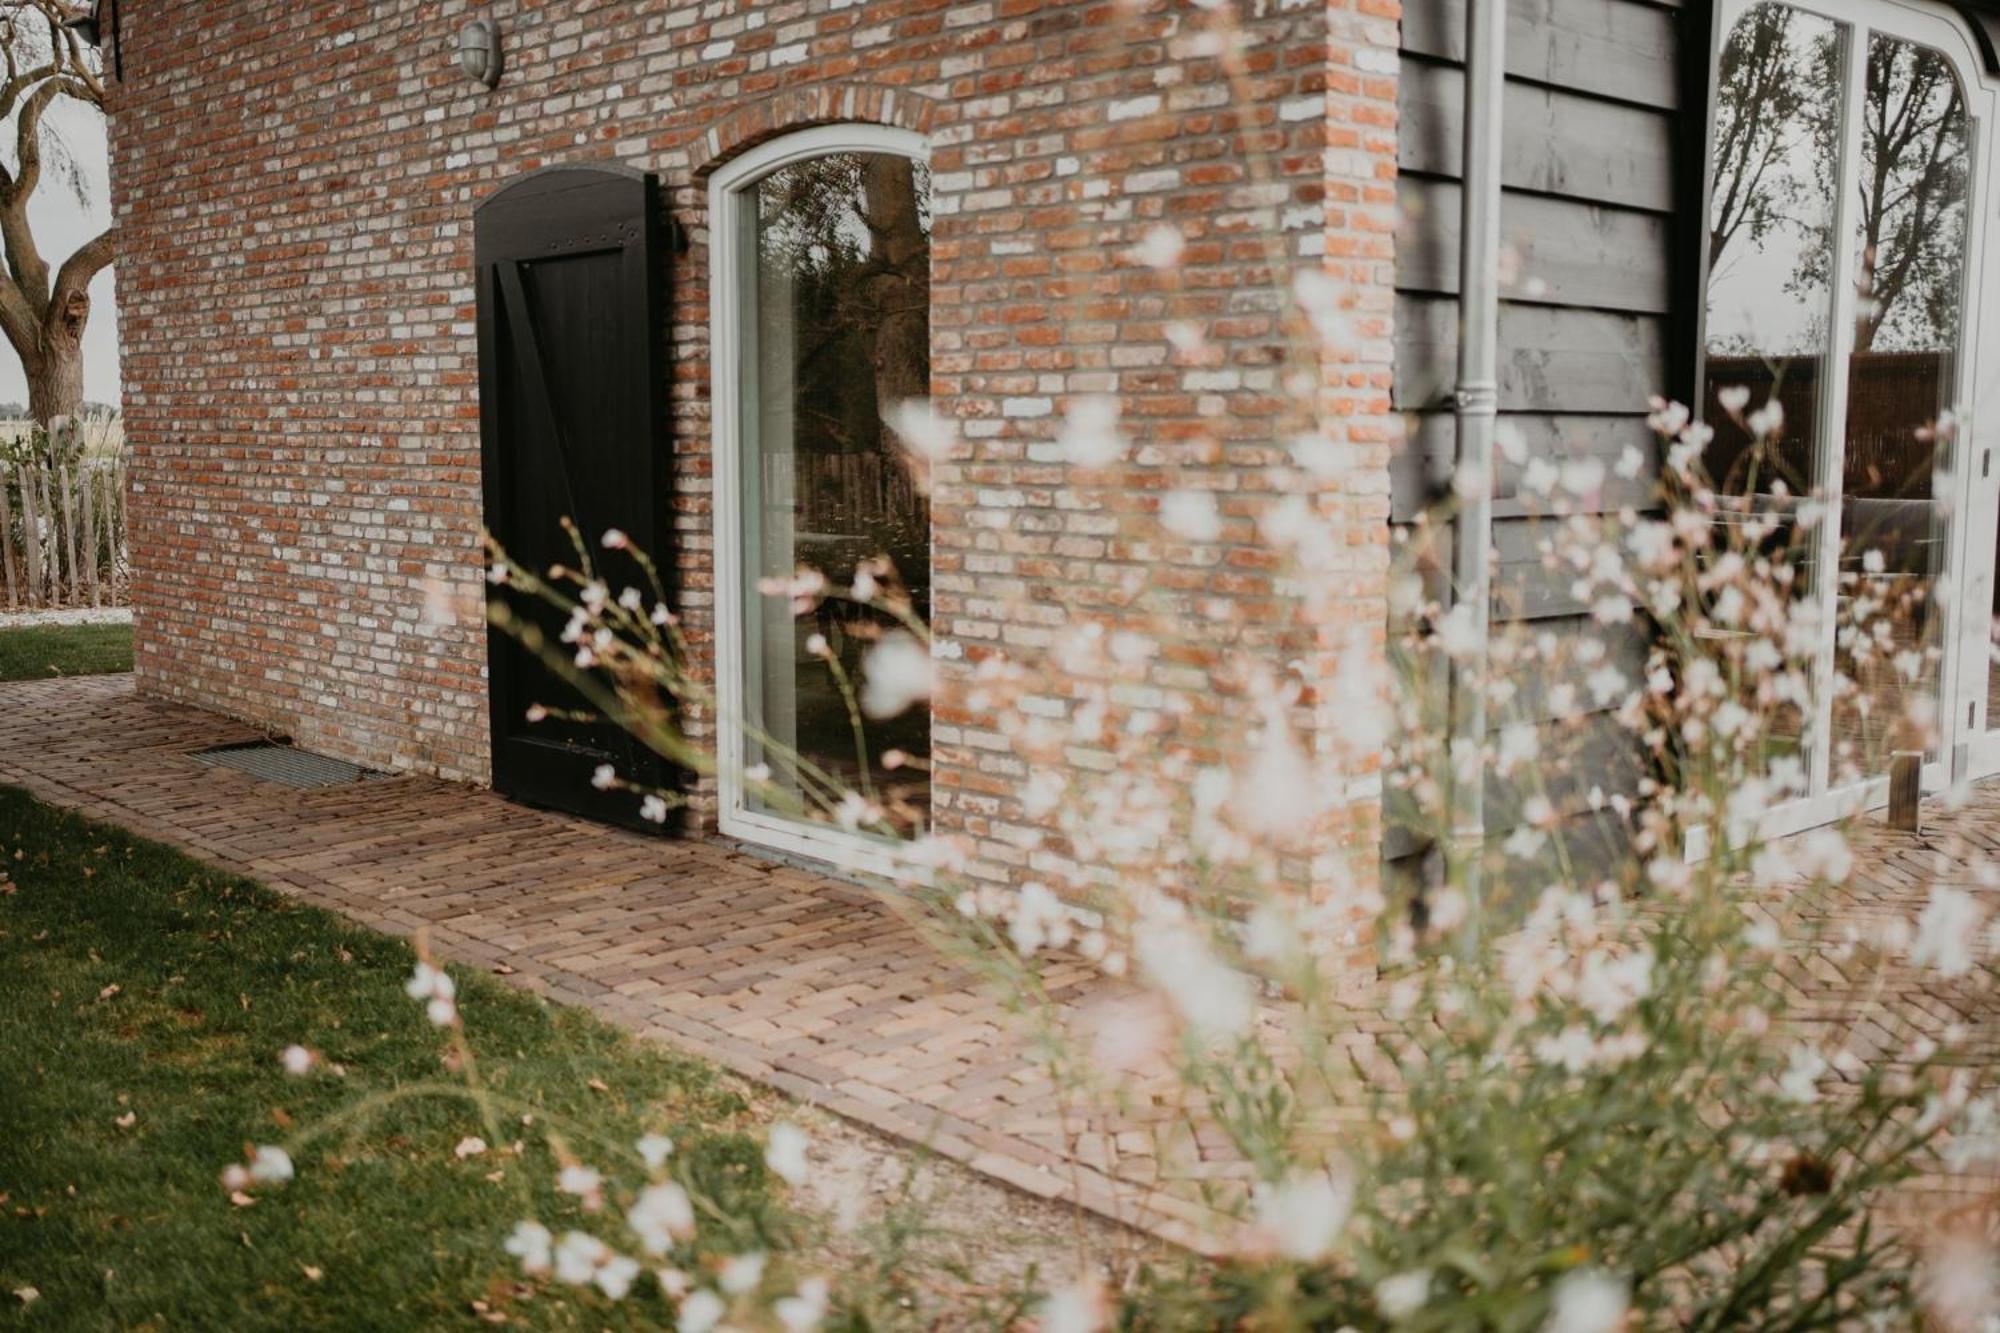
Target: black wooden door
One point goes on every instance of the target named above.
(571, 415)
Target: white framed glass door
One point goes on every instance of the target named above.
(819, 323)
(1852, 187)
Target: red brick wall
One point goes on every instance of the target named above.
(295, 184)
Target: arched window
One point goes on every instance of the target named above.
(1851, 168)
(820, 306)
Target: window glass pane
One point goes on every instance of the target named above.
(836, 324)
(1910, 227)
(1770, 315)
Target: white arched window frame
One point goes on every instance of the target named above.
(1970, 747)
(732, 215)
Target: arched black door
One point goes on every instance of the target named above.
(571, 425)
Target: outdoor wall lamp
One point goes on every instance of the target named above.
(89, 27)
(479, 51)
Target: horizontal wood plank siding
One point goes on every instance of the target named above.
(1587, 326)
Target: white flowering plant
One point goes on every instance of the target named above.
(1543, 1089)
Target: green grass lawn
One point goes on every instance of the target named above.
(41, 651)
(142, 984)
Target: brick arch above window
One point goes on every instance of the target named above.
(818, 104)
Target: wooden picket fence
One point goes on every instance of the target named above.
(62, 534)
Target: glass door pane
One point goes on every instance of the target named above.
(1910, 200)
(836, 328)
(1770, 344)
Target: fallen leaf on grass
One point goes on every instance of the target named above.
(240, 1199)
(469, 1146)
(27, 1295)
(109, 991)
(126, 1121)
(599, 1085)
(313, 1274)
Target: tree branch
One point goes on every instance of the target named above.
(91, 258)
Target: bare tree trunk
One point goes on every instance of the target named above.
(55, 376)
(55, 383)
(900, 285)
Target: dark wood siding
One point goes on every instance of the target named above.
(1595, 216)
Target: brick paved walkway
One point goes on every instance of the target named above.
(801, 982)
(804, 983)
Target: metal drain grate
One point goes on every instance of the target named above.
(283, 764)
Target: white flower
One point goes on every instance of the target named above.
(653, 809)
(1825, 855)
(1800, 1081)
(605, 778)
(273, 1166)
(581, 1181)
(615, 540)
(1190, 514)
(853, 811)
(1213, 998)
(615, 1275)
(1458, 632)
(1403, 1295)
(430, 983)
(1076, 1308)
(661, 1215)
(1609, 987)
(1038, 918)
(1733, 398)
(1945, 931)
(531, 1244)
(577, 1255)
(654, 1149)
(1090, 436)
(1318, 295)
(1277, 797)
(922, 431)
(1588, 1301)
(297, 1060)
(1959, 1285)
(741, 1273)
(1305, 1213)
(1161, 247)
(1668, 417)
(785, 1153)
(897, 673)
(1975, 1139)
(700, 1312)
(802, 1313)
(1767, 420)
(1520, 742)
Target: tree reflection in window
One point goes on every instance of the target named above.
(1784, 157)
(837, 327)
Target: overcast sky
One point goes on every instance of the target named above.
(61, 223)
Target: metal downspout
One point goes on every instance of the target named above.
(1477, 403)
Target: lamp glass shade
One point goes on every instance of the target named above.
(479, 51)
